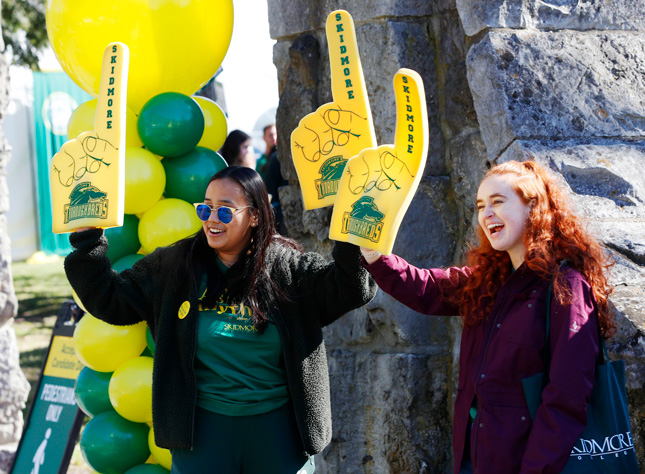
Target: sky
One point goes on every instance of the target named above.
(249, 76)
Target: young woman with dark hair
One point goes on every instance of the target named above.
(528, 237)
(237, 150)
(240, 382)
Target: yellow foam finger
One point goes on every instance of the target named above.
(377, 186)
(325, 139)
(347, 82)
(87, 175)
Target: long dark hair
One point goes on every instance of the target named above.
(232, 145)
(249, 280)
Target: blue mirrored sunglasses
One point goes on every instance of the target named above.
(224, 213)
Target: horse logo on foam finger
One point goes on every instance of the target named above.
(364, 220)
(330, 174)
(86, 201)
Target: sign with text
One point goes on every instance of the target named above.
(54, 419)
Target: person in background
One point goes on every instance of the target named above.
(240, 382)
(237, 150)
(270, 137)
(274, 181)
(529, 237)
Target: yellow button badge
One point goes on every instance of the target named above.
(183, 310)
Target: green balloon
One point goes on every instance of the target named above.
(123, 240)
(148, 469)
(150, 341)
(171, 124)
(126, 262)
(111, 444)
(188, 175)
(91, 391)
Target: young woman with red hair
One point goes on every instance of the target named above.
(529, 237)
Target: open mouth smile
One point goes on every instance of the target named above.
(495, 228)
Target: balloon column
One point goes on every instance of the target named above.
(115, 390)
(171, 143)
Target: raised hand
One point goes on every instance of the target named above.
(377, 185)
(87, 175)
(338, 130)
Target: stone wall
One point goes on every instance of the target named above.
(564, 80)
(14, 387)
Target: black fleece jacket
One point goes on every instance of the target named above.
(320, 293)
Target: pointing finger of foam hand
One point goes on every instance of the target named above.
(347, 82)
(109, 121)
(411, 136)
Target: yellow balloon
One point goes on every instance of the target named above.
(130, 389)
(145, 180)
(77, 300)
(167, 222)
(167, 40)
(103, 347)
(82, 120)
(215, 126)
(161, 455)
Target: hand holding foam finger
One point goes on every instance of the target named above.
(327, 138)
(378, 185)
(87, 175)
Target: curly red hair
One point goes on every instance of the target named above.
(553, 233)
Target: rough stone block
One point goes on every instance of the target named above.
(454, 99)
(14, 387)
(560, 85)
(289, 18)
(7, 454)
(600, 174)
(8, 300)
(477, 15)
(390, 413)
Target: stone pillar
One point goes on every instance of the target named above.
(14, 387)
(500, 77)
(393, 371)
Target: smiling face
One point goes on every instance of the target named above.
(502, 216)
(229, 240)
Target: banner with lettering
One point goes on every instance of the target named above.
(87, 175)
(325, 139)
(377, 186)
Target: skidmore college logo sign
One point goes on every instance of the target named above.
(86, 200)
(364, 220)
(600, 449)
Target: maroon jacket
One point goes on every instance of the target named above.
(497, 353)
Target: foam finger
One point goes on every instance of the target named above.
(347, 82)
(411, 135)
(109, 121)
